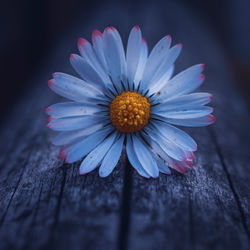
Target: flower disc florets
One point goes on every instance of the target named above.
(129, 112)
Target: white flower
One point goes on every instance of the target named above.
(129, 100)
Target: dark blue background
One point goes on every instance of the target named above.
(30, 29)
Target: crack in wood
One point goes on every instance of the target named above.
(231, 185)
(125, 208)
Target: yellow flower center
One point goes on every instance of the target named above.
(129, 112)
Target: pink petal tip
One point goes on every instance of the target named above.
(96, 33)
(50, 119)
(212, 119)
(81, 42)
(62, 155)
(50, 82)
(137, 27)
(202, 76)
(47, 110)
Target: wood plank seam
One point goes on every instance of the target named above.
(231, 185)
(14, 191)
(58, 206)
(125, 207)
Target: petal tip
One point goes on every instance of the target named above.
(81, 42)
(180, 45)
(211, 119)
(169, 37)
(50, 119)
(202, 76)
(81, 172)
(47, 110)
(96, 33)
(102, 175)
(62, 155)
(51, 82)
(137, 27)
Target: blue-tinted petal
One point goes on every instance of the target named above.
(133, 158)
(177, 136)
(74, 123)
(144, 156)
(115, 57)
(95, 157)
(66, 109)
(112, 157)
(68, 137)
(73, 88)
(133, 53)
(195, 122)
(169, 147)
(87, 144)
(185, 101)
(183, 83)
(141, 63)
(186, 113)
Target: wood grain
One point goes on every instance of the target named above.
(46, 204)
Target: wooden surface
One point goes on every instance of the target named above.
(46, 204)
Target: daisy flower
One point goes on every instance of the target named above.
(128, 99)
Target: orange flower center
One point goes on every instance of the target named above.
(129, 112)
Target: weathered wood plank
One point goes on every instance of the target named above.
(45, 204)
(208, 208)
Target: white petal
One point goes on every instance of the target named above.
(183, 83)
(144, 156)
(177, 136)
(195, 122)
(169, 147)
(111, 158)
(133, 53)
(163, 80)
(65, 109)
(165, 65)
(74, 123)
(115, 57)
(133, 158)
(98, 46)
(86, 71)
(186, 113)
(87, 144)
(95, 157)
(89, 56)
(184, 101)
(163, 168)
(73, 88)
(155, 59)
(69, 136)
(141, 63)
(169, 162)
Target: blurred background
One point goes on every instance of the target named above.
(29, 29)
